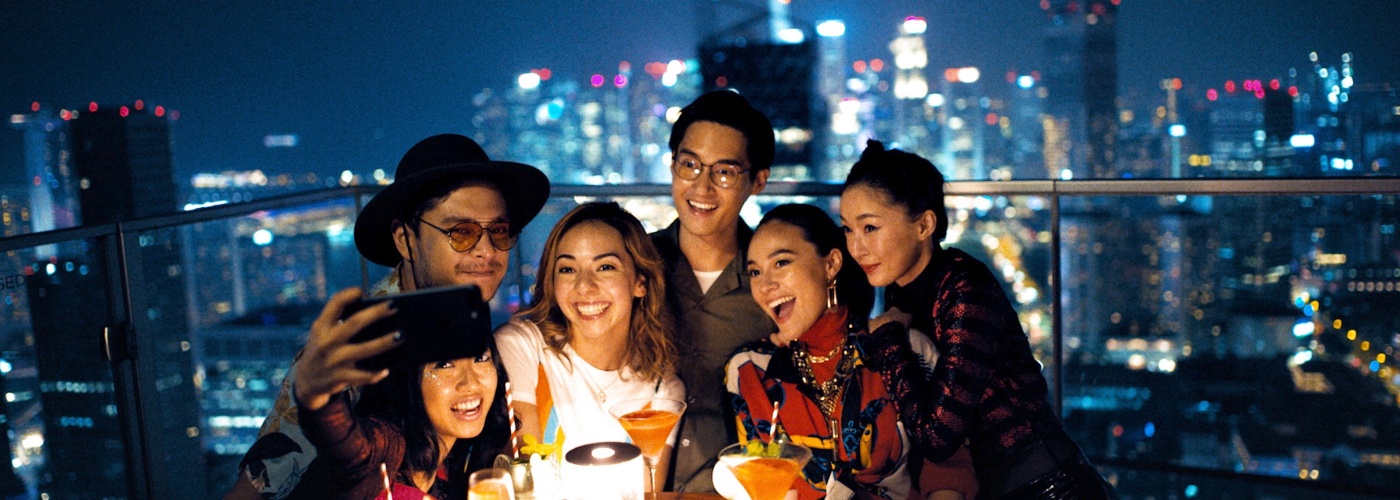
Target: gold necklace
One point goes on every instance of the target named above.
(827, 393)
(822, 359)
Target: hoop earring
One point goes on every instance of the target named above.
(831, 299)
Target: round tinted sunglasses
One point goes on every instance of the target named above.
(464, 235)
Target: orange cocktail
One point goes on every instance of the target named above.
(649, 421)
(489, 491)
(766, 478)
(649, 429)
(766, 471)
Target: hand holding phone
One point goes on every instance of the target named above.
(437, 324)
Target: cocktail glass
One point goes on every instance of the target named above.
(649, 422)
(766, 471)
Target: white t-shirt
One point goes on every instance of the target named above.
(576, 412)
(707, 278)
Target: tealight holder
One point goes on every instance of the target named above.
(603, 471)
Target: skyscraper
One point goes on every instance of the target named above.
(777, 72)
(121, 158)
(1081, 44)
(123, 163)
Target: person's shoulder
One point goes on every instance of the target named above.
(667, 241)
(753, 350)
(519, 330)
(963, 265)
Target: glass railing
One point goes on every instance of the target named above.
(1210, 338)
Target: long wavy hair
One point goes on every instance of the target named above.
(650, 353)
(398, 401)
(817, 228)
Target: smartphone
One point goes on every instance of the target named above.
(438, 324)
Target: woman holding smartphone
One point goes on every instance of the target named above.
(421, 425)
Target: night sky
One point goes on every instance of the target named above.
(361, 81)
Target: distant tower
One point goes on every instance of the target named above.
(1081, 46)
(121, 157)
(911, 86)
(123, 162)
(777, 73)
(841, 130)
(48, 172)
(964, 143)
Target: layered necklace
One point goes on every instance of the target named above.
(827, 393)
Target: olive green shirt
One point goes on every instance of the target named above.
(709, 327)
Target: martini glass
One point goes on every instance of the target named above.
(766, 471)
(649, 422)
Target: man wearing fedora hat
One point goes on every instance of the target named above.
(450, 218)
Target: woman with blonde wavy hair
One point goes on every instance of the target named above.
(597, 333)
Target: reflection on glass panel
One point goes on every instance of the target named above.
(244, 292)
(59, 409)
(1250, 334)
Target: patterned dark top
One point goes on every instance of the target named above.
(986, 387)
(870, 455)
(351, 450)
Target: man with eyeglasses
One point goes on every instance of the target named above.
(721, 148)
(450, 218)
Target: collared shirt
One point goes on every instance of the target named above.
(709, 327)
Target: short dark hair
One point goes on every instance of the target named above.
(732, 110)
(852, 288)
(907, 179)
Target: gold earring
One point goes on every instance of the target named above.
(831, 300)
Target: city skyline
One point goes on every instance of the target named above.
(357, 83)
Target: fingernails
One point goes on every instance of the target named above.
(398, 336)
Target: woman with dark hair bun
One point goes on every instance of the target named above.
(812, 370)
(986, 389)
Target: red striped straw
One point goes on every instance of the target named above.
(773, 432)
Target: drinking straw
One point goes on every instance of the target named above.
(510, 415)
(773, 432)
(388, 490)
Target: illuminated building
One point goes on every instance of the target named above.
(122, 162)
(777, 72)
(1082, 79)
(121, 157)
(911, 89)
(52, 202)
(607, 128)
(965, 109)
(1026, 133)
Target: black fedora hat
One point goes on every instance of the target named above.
(428, 166)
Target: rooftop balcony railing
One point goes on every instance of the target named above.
(1202, 338)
